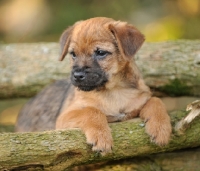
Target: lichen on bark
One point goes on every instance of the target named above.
(59, 150)
(26, 68)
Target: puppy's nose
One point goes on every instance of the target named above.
(79, 75)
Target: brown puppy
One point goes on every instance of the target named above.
(108, 86)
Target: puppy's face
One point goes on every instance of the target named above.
(99, 48)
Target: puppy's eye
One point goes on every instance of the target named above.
(73, 54)
(100, 54)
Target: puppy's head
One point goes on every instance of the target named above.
(99, 48)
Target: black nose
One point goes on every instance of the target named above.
(79, 75)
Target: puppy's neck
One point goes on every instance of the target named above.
(128, 76)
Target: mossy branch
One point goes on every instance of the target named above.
(60, 150)
(170, 67)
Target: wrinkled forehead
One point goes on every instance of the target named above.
(89, 33)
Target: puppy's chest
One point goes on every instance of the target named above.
(118, 103)
(115, 104)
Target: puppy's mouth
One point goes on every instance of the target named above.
(88, 81)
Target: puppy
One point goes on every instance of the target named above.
(107, 85)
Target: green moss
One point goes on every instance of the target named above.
(6, 128)
(22, 91)
(176, 88)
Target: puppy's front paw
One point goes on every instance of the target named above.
(100, 139)
(157, 121)
(159, 131)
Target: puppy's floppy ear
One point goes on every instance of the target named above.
(129, 39)
(64, 42)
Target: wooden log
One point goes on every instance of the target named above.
(61, 150)
(171, 67)
(181, 160)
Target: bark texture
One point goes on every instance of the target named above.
(166, 66)
(61, 150)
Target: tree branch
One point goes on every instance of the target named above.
(171, 67)
(194, 109)
(58, 150)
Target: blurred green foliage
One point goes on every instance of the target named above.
(159, 20)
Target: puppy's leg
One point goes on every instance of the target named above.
(157, 121)
(93, 123)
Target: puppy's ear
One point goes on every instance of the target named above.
(64, 42)
(129, 39)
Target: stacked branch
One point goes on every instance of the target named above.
(171, 67)
(61, 150)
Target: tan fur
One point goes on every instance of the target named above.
(123, 96)
(157, 121)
